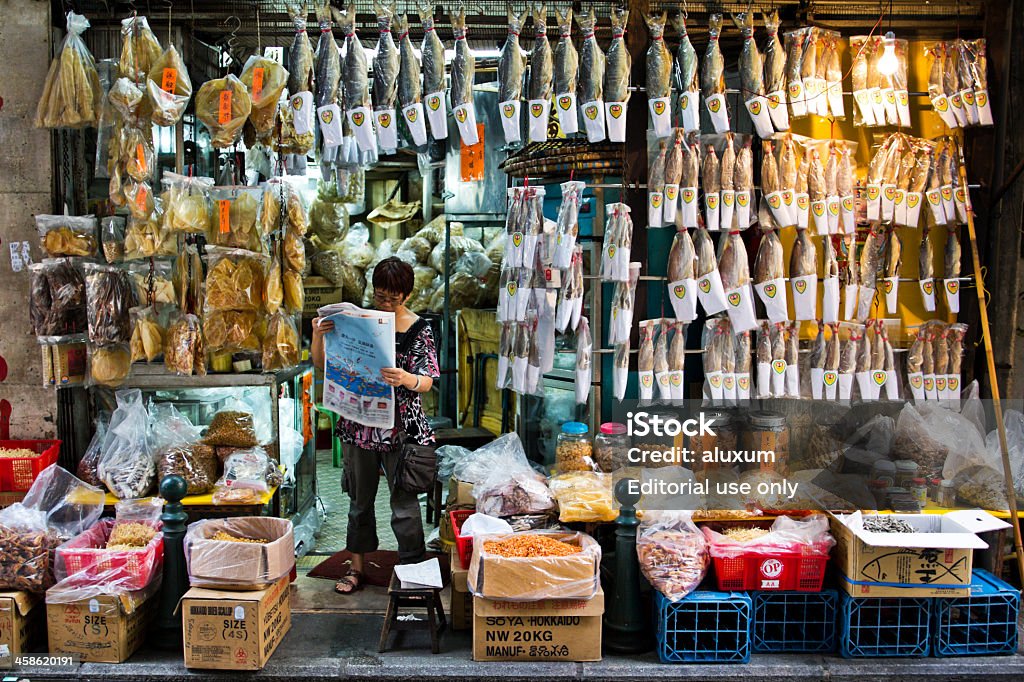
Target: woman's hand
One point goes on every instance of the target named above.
(321, 325)
(394, 376)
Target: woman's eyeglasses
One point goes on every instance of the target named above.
(382, 297)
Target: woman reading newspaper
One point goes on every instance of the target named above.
(368, 450)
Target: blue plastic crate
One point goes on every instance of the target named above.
(982, 624)
(883, 627)
(704, 627)
(795, 621)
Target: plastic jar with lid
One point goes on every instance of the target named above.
(919, 489)
(724, 439)
(933, 489)
(880, 491)
(906, 472)
(573, 448)
(611, 447)
(947, 494)
(884, 470)
(767, 435)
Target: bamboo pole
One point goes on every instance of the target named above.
(986, 334)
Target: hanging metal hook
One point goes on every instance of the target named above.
(232, 40)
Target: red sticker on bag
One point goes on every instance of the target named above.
(169, 81)
(224, 207)
(140, 157)
(224, 110)
(257, 82)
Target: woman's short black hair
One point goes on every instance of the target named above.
(394, 276)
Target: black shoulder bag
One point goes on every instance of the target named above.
(416, 469)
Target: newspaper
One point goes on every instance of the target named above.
(361, 344)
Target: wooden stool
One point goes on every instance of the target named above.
(428, 598)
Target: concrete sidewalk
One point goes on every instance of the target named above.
(332, 646)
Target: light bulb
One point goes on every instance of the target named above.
(888, 63)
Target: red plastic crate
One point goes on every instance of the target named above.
(800, 570)
(463, 544)
(86, 558)
(17, 474)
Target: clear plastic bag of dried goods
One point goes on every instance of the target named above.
(152, 282)
(184, 351)
(168, 87)
(57, 507)
(128, 467)
(146, 237)
(584, 496)
(149, 330)
(71, 91)
(91, 459)
(234, 279)
(234, 223)
(673, 553)
(223, 106)
(110, 297)
(187, 203)
(65, 235)
(281, 344)
(266, 80)
(248, 475)
(808, 535)
(57, 298)
(109, 365)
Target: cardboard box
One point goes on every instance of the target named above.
(546, 630)
(244, 566)
(70, 361)
(528, 579)
(234, 630)
(22, 624)
(869, 590)
(102, 629)
(460, 494)
(7, 499)
(939, 555)
(461, 609)
(319, 292)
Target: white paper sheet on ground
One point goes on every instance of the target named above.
(796, 98)
(645, 381)
(615, 117)
(862, 100)
(970, 108)
(830, 300)
(892, 385)
(960, 199)
(671, 205)
(757, 106)
(414, 119)
(714, 386)
(929, 387)
(850, 294)
(661, 115)
(593, 121)
(984, 106)
(359, 121)
(683, 295)
(743, 204)
(916, 381)
(803, 209)
(742, 386)
(565, 109)
(845, 387)
(437, 114)
(817, 383)
(864, 385)
(689, 110)
(688, 205)
(664, 386)
(719, 113)
(903, 107)
(741, 309)
(952, 289)
(940, 103)
(424, 574)
(711, 293)
(778, 110)
(510, 125)
(711, 211)
(655, 208)
(805, 297)
(538, 118)
(792, 381)
(727, 209)
(773, 295)
(948, 206)
(329, 117)
(830, 378)
(301, 105)
(764, 379)
(865, 299)
(465, 120)
(778, 378)
(927, 287)
(934, 199)
(675, 378)
(387, 130)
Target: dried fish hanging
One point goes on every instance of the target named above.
(355, 90)
(656, 187)
(618, 64)
(645, 360)
(830, 377)
(677, 360)
(710, 291)
(926, 270)
(511, 66)
(751, 65)
(618, 240)
(727, 186)
(794, 43)
(734, 268)
(410, 93)
(831, 176)
(968, 102)
(880, 98)
(830, 283)
(386, 70)
(771, 188)
(523, 226)
(296, 116)
(833, 75)
(892, 384)
(622, 307)
(775, 73)
(849, 276)
(891, 271)
(328, 78)
(728, 367)
(716, 342)
(541, 71)
(432, 63)
(685, 72)
(711, 183)
(816, 193)
(712, 77)
(584, 361)
(794, 177)
(848, 360)
(682, 283)
(620, 370)
(591, 72)
(688, 182)
(659, 76)
(567, 62)
(673, 174)
(793, 360)
(570, 302)
(915, 363)
(763, 360)
(743, 184)
(567, 223)
(72, 92)
(870, 255)
(769, 275)
(463, 70)
(811, 74)
(862, 374)
(816, 363)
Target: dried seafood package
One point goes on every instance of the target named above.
(355, 83)
(645, 360)
(541, 73)
(769, 276)
(57, 299)
(711, 183)
(265, 80)
(432, 60)
(223, 106)
(682, 273)
(618, 64)
(184, 352)
(775, 73)
(235, 213)
(463, 70)
(511, 66)
(109, 365)
(712, 77)
(567, 223)
(716, 337)
(148, 334)
(794, 44)
(152, 282)
(622, 309)
(686, 80)
(188, 279)
(234, 279)
(673, 553)
(734, 268)
(618, 241)
(62, 235)
(620, 370)
(127, 466)
(688, 182)
(110, 297)
(168, 88)
(233, 331)
(187, 203)
(280, 344)
(727, 186)
(803, 276)
(566, 74)
(752, 70)
(140, 50)
(72, 91)
(710, 290)
(656, 187)
(386, 73)
(659, 75)
(296, 116)
(591, 72)
(146, 237)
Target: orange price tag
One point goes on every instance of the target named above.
(169, 81)
(224, 209)
(471, 158)
(140, 197)
(224, 110)
(257, 82)
(140, 157)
